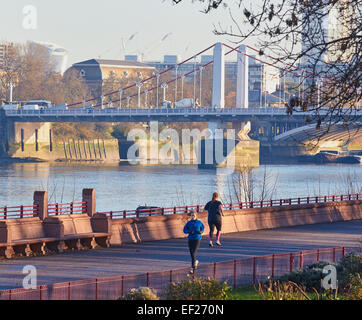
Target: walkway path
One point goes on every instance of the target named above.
(173, 254)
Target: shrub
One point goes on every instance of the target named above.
(197, 289)
(354, 287)
(352, 264)
(310, 276)
(142, 293)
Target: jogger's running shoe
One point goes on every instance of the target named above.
(211, 244)
(196, 264)
(218, 243)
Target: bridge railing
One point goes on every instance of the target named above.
(153, 111)
(143, 111)
(12, 212)
(156, 211)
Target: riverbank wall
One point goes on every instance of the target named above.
(171, 226)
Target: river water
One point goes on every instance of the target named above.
(126, 187)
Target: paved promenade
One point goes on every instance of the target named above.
(173, 254)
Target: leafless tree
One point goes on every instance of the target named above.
(246, 186)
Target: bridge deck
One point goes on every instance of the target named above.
(174, 114)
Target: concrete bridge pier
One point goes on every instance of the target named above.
(231, 148)
(246, 151)
(3, 134)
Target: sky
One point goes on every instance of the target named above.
(95, 28)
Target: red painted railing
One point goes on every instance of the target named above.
(53, 210)
(18, 212)
(66, 208)
(231, 206)
(236, 272)
(80, 207)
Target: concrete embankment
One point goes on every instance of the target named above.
(171, 226)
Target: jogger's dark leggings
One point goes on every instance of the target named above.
(214, 224)
(193, 246)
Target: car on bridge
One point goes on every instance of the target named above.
(42, 104)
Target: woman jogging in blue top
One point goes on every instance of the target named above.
(194, 228)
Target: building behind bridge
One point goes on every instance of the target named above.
(96, 72)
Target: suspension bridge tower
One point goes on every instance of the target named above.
(223, 147)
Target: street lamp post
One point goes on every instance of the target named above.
(164, 86)
(11, 85)
(182, 86)
(157, 82)
(102, 98)
(120, 98)
(194, 79)
(139, 85)
(301, 86)
(176, 70)
(201, 68)
(146, 96)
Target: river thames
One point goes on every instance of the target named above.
(126, 187)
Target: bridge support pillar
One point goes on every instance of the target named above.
(242, 79)
(228, 148)
(3, 134)
(218, 77)
(216, 125)
(246, 151)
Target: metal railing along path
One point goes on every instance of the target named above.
(155, 211)
(66, 208)
(236, 273)
(8, 212)
(23, 211)
(54, 209)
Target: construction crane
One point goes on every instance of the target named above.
(154, 45)
(123, 45)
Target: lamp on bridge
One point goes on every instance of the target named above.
(182, 85)
(139, 84)
(164, 86)
(146, 96)
(102, 99)
(120, 98)
(201, 68)
(157, 75)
